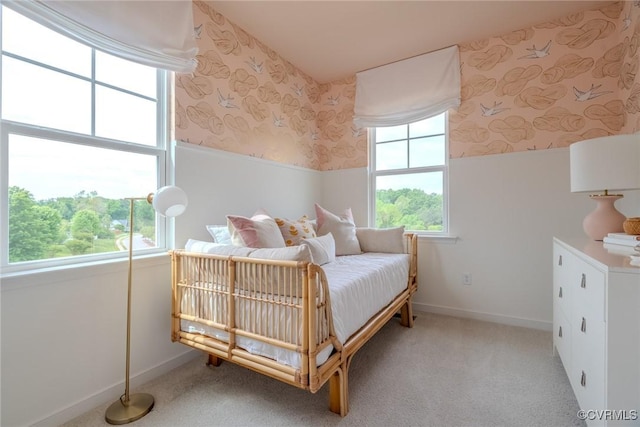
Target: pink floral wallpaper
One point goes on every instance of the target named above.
(245, 98)
(537, 88)
(550, 85)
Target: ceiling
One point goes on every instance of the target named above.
(330, 40)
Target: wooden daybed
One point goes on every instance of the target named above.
(234, 307)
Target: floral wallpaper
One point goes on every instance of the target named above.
(537, 88)
(543, 87)
(245, 98)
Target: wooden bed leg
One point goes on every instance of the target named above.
(214, 360)
(406, 314)
(339, 391)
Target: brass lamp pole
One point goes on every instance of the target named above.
(167, 201)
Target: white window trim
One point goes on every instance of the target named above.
(165, 176)
(444, 234)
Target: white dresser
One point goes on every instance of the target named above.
(596, 322)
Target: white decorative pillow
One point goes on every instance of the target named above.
(202, 247)
(293, 253)
(323, 248)
(386, 240)
(342, 227)
(220, 233)
(259, 231)
(271, 281)
(294, 232)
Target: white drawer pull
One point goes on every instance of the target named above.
(583, 282)
(583, 379)
(560, 331)
(559, 259)
(560, 293)
(583, 326)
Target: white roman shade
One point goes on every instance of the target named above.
(159, 34)
(407, 91)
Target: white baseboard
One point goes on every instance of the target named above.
(487, 317)
(112, 393)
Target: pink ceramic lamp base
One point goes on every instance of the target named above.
(605, 218)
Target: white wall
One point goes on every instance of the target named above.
(63, 332)
(63, 338)
(220, 183)
(504, 210)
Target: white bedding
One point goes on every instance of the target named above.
(359, 287)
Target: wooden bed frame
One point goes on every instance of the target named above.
(224, 285)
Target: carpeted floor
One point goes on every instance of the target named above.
(443, 372)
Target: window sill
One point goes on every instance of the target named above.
(43, 276)
(436, 238)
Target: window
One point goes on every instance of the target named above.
(408, 178)
(80, 131)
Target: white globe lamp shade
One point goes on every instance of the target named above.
(170, 201)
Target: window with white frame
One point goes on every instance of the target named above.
(80, 131)
(408, 175)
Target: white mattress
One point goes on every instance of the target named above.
(359, 287)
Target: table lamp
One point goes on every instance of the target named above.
(600, 165)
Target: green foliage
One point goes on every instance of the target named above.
(32, 228)
(78, 247)
(66, 226)
(148, 232)
(85, 223)
(413, 208)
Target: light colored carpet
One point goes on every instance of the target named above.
(443, 372)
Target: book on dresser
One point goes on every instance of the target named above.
(622, 239)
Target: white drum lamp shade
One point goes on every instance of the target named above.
(601, 165)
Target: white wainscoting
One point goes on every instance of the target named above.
(219, 183)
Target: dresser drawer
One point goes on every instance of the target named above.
(588, 290)
(563, 280)
(562, 338)
(588, 364)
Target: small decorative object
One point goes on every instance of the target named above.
(632, 225)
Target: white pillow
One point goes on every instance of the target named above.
(323, 248)
(220, 233)
(386, 240)
(202, 247)
(259, 231)
(342, 227)
(269, 280)
(289, 253)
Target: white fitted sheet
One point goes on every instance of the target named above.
(359, 286)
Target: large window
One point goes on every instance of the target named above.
(409, 175)
(80, 131)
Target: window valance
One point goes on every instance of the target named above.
(155, 33)
(409, 90)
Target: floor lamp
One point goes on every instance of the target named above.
(168, 201)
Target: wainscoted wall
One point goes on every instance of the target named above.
(503, 214)
(68, 354)
(239, 185)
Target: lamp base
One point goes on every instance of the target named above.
(605, 218)
(140, 404)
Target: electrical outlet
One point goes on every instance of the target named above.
(466, 278)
